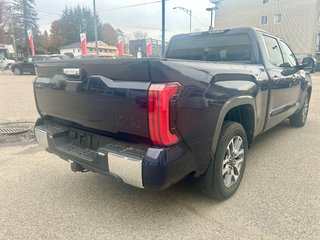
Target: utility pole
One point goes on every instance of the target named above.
(163, 26)
(190, 21)
(13, 36)
(95, 26)
(215, 2)
(211, 10)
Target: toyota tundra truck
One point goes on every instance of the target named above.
(193, 113)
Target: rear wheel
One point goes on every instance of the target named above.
(299, 119)
(17, 71)
(227, 168)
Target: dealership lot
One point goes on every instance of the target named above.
(41, 198)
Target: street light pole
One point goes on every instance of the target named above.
(163, 26)
(189, 12)
(95, 26)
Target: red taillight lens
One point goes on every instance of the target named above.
(159, 99)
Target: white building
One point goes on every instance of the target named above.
(6, 50)
(296, 21)
(104, 49)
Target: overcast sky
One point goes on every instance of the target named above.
(146, 18)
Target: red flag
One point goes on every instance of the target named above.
(83, 39)
(120, 45)
(31, 42)
(148, 47)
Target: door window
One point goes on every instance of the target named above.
(273, 50)
(288, 55)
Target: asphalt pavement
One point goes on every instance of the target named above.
(41, 198)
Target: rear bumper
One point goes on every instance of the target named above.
(138, 165)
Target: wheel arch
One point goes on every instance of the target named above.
(237, 109)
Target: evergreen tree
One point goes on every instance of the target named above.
(78, 20)
(25, 18)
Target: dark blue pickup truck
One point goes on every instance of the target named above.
(195, 112)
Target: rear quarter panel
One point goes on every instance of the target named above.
(206, 89)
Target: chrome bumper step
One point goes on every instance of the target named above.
(118, 159)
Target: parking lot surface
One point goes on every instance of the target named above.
(41, 198)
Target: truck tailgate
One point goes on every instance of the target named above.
(108, 95)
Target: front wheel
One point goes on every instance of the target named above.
(227, 168)
(299, 119)
(17, 71)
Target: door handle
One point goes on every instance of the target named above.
(276, 79)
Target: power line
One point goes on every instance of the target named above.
(43, 12)
(132, 5)
(84, 2)
(48, 13)
(195, 16)
(109, 9)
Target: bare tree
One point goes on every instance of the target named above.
(109, 34)
(4, 20)
(140, 35)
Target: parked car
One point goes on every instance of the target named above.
(27, 65)
(318, 63)
(57, 57)
(153, 122)
(89, 56)
(69, 54)
(301, 56)
(6, 63)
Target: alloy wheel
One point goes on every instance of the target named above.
(232, 162)
(305, 109)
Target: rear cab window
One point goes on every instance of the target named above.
(212, 47)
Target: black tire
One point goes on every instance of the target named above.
(17, 71)
(213, 182)
(299, 119)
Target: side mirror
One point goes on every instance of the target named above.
(308, 63)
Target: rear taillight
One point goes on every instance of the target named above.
(159, 99)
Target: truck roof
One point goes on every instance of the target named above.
(225, 31)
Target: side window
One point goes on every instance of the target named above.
(277, 18)
(273, 50)
(288, 55)
(264, 20)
